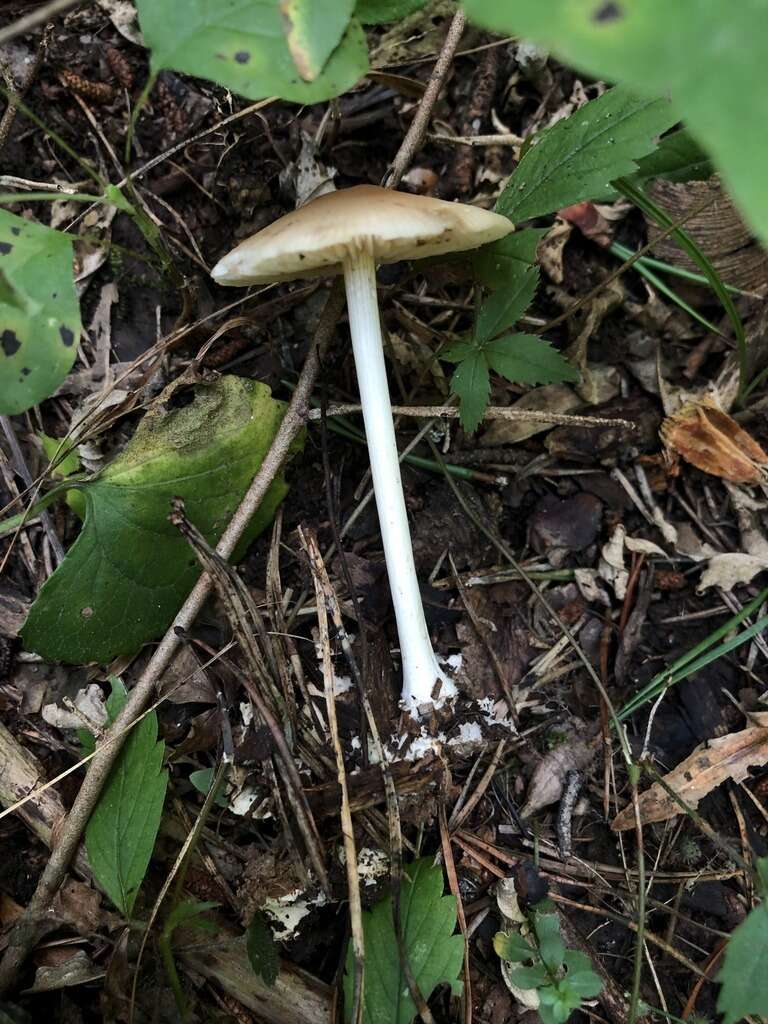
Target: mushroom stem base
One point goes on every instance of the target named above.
(423, 679)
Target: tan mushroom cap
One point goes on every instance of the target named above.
(315, 240)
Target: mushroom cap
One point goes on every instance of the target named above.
(316, 239)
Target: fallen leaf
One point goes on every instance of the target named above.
(546, 785)
(555, 398)
(727, 570)
(728, 757)
(712, 441)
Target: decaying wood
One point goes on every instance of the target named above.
(295, 998)
(20, 774)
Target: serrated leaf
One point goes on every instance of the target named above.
(526, 359)
(678, 157)
(498, 264)
(578, 157)
(241, 45)
(551, 945)
(512, 946)
(471, 383)
(505, 307)
(121, 832)
(313, 29)
(660, 49)
(262, 949)
(129, 570)
(435, 953)
(377, 12)
(39, 312)
(743, 978)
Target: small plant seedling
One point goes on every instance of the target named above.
(539, 961)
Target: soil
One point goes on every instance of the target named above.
(553, 499)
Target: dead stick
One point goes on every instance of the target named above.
(415, 134)
(24, 935)
(492, 413)
(35, 18)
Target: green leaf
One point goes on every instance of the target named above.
(498, 264)
(661, 48)
(121, 832)
(579, 156)
(202, 779)
(505, 307)
(551, 945)
(241, 45)
(435, 953)
(188, 912)
(526, 359)
(678, 157)
(743, 977)
(262, 949)
(581, 977)
(529, 977)
(376, 12)
(512, 946)
(129, 570)
(313, 30)
(39, 312)
(471, 382)
(66, 466)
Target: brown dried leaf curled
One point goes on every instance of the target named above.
(728, 757)
(712, 441)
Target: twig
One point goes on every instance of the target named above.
(15, 94)
(493, 412)
(35, 18)
(20, 465)
(418, 129)
(23, 937)
(322, 586)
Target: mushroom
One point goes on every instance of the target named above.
(349, 232)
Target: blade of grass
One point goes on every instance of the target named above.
(625, 253)
(684, 240)
(703, 654)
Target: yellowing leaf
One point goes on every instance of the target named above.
(727, 757)
(129, 570)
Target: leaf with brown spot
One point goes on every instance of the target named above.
(313, 29)
(712, 763)
(712, 441)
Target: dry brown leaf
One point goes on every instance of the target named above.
(728, 757)
(712, 441)
(557, 398)
(546, 785)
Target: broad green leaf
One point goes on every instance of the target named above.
(512, 946)
(581, 977)
(313, 30)
(743, 977)
(497, 265)
(678, 157)
(262, 949)
(434, 952)
(529, 977)
(471, 382)
(578, 157)
(708, 57)
(202, 780)
(39, 312)
(526, 359)
(129, 570)
(551, 945)
(121, 832)
(377, 12)
(241, 45)
(505, 307)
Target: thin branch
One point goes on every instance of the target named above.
(24, 935)
(35, 18)
(491, 413)
(416, 133)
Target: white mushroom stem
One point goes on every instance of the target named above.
(420, 667)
